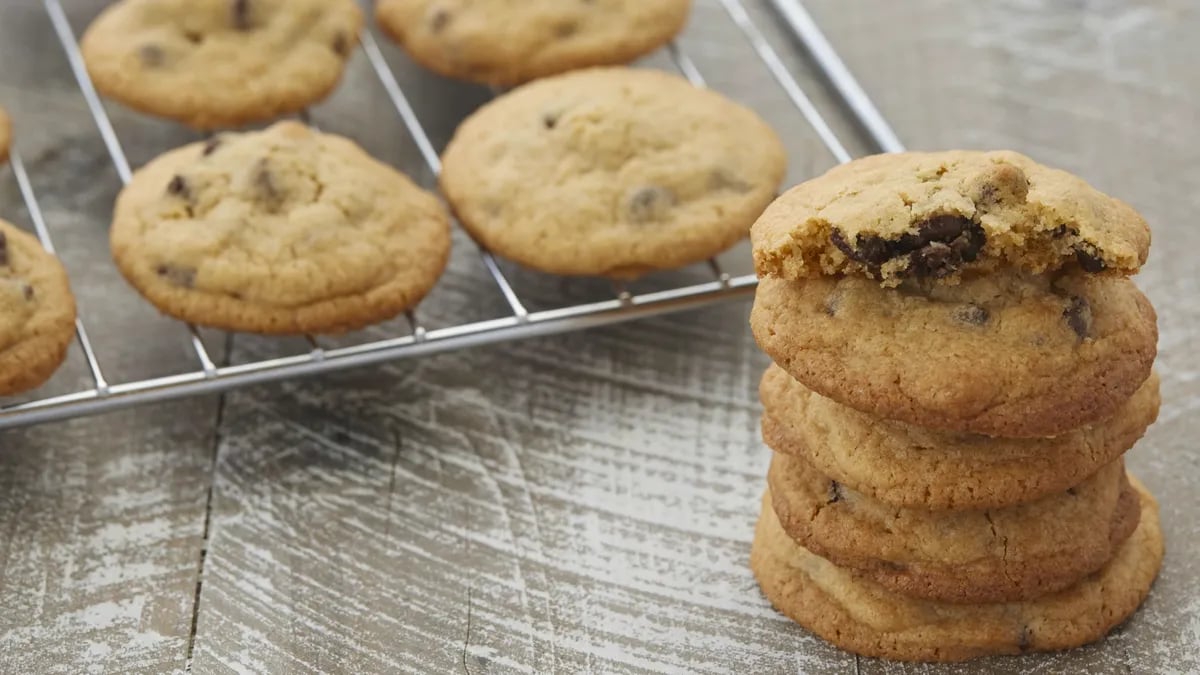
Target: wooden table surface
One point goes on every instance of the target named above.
(578, 503)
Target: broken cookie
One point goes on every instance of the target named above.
(936, 215)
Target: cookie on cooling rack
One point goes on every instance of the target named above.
(220, 63)
(5, 134)
(611, 172)
(37, 311)
(507, 42)
(282, 231)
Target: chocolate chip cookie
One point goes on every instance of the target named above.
(863, 617)
(909, 466)
(612, 172)
(37, 312)
(997, 555)
(5, 135)
(933, 215)
(221, 63)
(1006, 354)
(281, 231)
(507, 42)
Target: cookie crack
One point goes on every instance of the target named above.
(1004, 547)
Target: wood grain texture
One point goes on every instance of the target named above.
(581, 503)
(101, 520)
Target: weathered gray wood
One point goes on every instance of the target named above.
(102, 520)
(576, 503)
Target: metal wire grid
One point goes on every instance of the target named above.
(521, 323)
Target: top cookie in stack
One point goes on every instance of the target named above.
(962, 291)
(938, 215)
(960, 364)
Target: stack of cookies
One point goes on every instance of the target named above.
(960, 364)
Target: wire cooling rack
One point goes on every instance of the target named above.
(207, 377)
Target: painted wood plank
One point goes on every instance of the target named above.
(102, 520)
(492, 510)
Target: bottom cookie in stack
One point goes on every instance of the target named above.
(864, 617)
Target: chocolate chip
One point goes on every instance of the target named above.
(1088, 260)
(1071, 491)
(152, 55)
(987, 194)
(938, 248)
(210, 146)
(650, 203)
(1079, 316)
(835, 492)
(938, 228)
(341, 44)
(3, 249)
(725, 179)
(193, 37)
(1025, 641)
(550, 120)
(839, 242)
(239, 12)
(936, 261)
(833, 302)
(868, 249)
(1061, 231)
(1001, 183)
(438, 20)
(27, 291)
(972, 314)
(566, 29)
(264, 181)
(179, 187)
(179, 276)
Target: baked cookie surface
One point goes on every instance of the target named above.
(286, 230)
(930, 215)
(37, 311)
(910, 466)
(611, 172)
(997, 555)
(220, 63)
(865, 618)
(507, 42)
(1006, 354)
